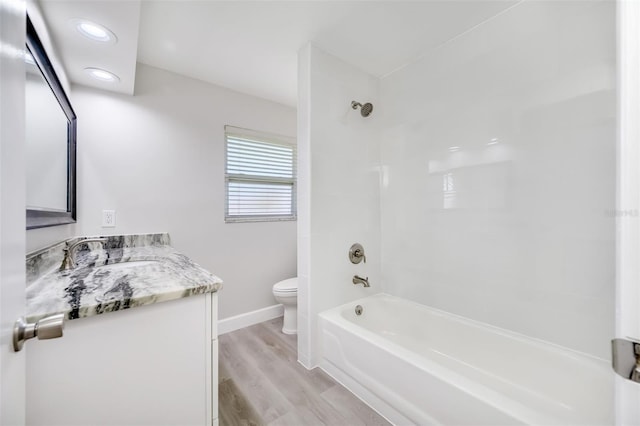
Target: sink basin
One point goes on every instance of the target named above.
(129, 264)
(117, 289)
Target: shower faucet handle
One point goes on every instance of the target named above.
(356, 254)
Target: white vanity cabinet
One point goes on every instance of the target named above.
(150, 365)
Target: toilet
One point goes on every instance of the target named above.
(286, 292)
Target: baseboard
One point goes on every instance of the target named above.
(237, 322)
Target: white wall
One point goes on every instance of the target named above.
(43, 237)
(523, 238)
(37, 19)
(338, 198)
(628, 198)
(157, 158)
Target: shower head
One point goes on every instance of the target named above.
(365, 109)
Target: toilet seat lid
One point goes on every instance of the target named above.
(290, 284)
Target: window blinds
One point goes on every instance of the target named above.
(260, 178)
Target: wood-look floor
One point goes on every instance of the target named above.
(262, 383)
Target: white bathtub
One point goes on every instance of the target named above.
(418, 365)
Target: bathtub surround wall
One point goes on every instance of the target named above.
(628, 198)
(338, 197)
(497, 176)
(157, 158)
(499, 192)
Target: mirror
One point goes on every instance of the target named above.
(50, 135)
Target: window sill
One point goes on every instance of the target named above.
(260, 219)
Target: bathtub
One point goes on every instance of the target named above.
(418, 365)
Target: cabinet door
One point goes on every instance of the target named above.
(214, 379)
(144, 366)
(214, 358)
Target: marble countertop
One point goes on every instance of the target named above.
(129, 271)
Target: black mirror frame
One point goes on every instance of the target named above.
(44, 218)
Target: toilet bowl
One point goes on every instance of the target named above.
(286, 292)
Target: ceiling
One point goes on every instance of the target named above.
(252, 46)
(77, 52)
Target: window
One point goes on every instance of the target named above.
(260, 176)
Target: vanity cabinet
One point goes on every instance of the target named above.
(155, 364)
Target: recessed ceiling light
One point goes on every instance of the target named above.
(493, 141)
(93, 31)
(454, 148)
(102, 75)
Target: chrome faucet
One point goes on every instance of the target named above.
(69, 261)
(359, 280)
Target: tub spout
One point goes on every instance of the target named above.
(359, 280)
